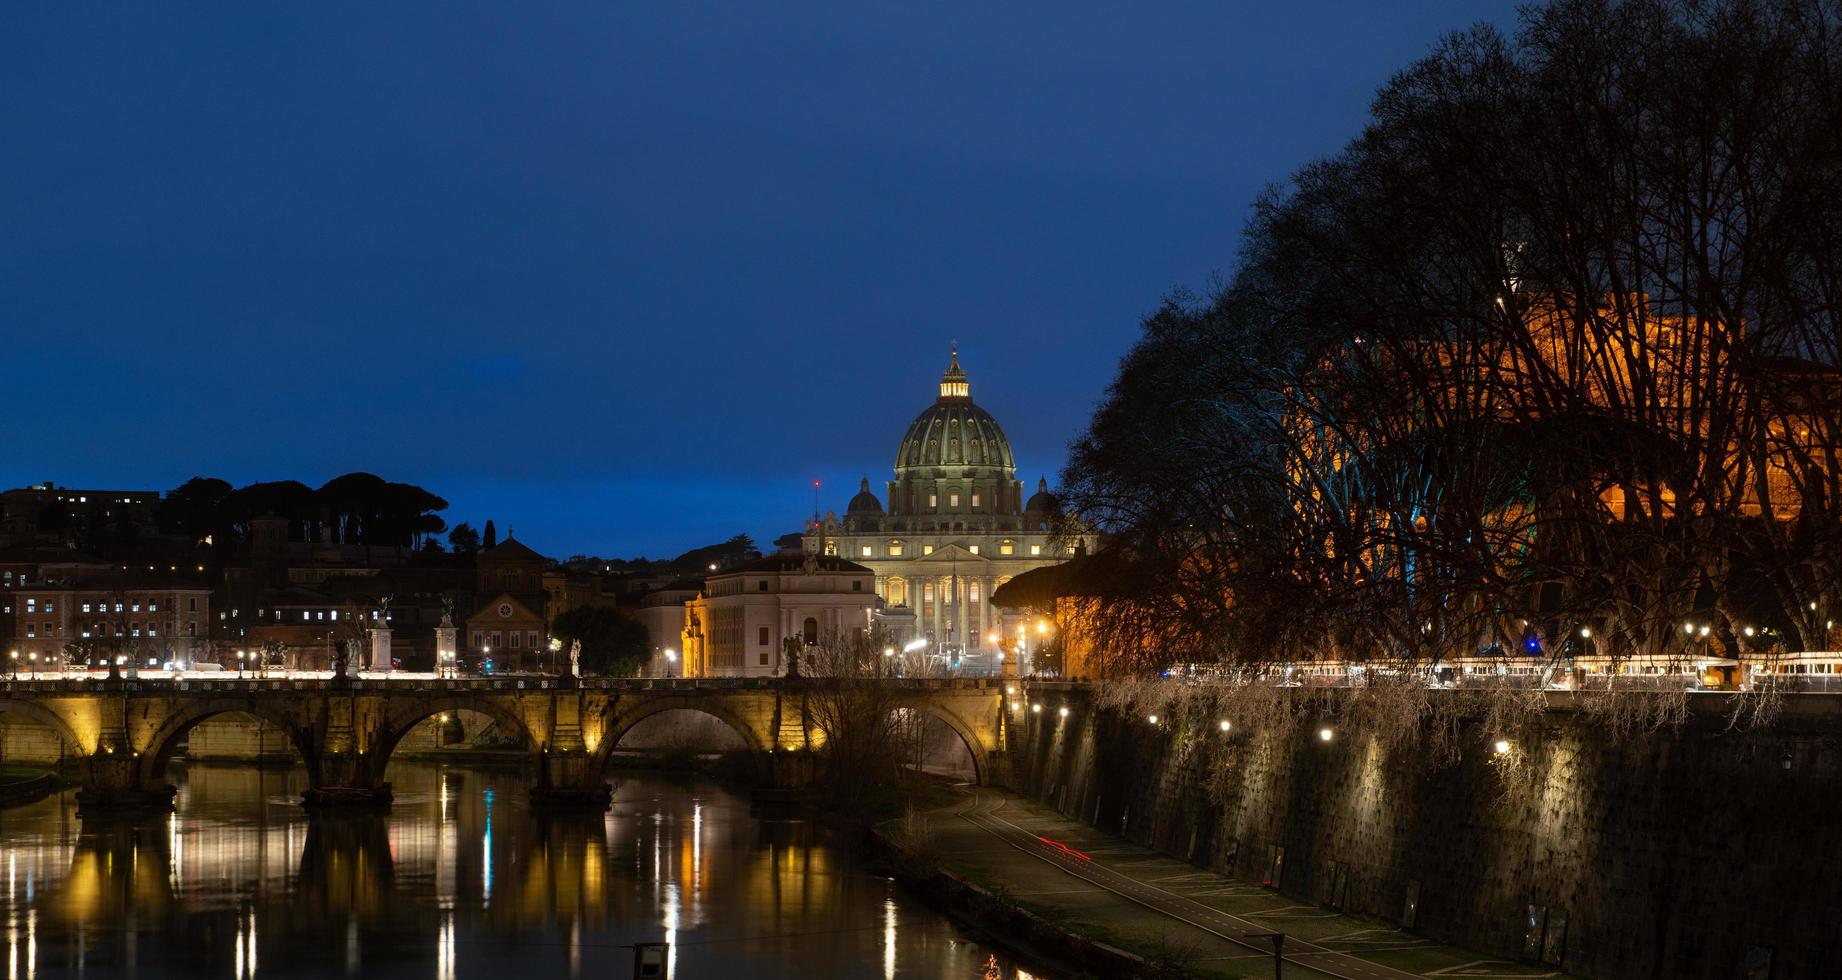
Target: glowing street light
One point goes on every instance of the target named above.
(1325, 734)
(1036, 709)
(1225, 726)
(1152, 718)
(1063, 711)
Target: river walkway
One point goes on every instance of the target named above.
(1175, 913)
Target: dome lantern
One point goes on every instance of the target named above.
(953, 383)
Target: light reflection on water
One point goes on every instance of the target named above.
(460, 879)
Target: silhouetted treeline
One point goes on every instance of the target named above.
(357, 508)
(1544, 360)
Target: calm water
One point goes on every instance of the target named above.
(460, 879)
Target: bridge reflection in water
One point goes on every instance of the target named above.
(461, 878)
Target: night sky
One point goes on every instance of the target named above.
(626, 277)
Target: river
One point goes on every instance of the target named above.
(460, 879)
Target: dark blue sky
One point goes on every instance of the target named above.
(626, 276)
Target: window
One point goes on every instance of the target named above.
(974, 549)
(31, 631)
(530, 639)
(118, 608)
(764, 585)
(191, 629)
(31, 605)
(305, 615)
(49, 607)
(972, 592)
(933, 501)
(191, 604)
(811, 631)
(763, 660)
(153, 607)
(1036, 549)
(927, 549)
(1005, 547)
(895, 549)
(927, 592)
(151, 631)
(866, 551)
(334, 617)
(515, 639)
(495, 639)
(134, 629)
(134, 607)
(952, 500)
(764, 639)
(476, 639)
(856, 585)
(975, 501)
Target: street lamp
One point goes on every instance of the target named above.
(241, 658)
(671, 657)
(32, 660)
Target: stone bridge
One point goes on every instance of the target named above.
(126, 731)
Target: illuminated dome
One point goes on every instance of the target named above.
(954, 437)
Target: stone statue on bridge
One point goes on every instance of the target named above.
(575, 658)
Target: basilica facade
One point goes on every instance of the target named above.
(956, 526)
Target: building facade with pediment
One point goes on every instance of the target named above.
(956, 526)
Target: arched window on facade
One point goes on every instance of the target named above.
(812, 631)
(895, 591)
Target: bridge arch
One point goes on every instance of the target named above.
(158, 750)
(622, 722)
(26, 708)
(401, 719)
(975, 746)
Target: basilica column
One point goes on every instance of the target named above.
(984, 607)
(959, 611)
(940, 591)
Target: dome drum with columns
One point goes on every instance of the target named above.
(956, 527)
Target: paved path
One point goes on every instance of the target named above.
(1146, 898)
(985, 810)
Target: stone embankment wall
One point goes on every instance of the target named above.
(1687, 851)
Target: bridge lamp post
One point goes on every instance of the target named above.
(241, 659)
(671, 657)
(32, 665)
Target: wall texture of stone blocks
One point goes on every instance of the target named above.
(1678, 852)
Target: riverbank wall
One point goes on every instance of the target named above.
(1691, 850)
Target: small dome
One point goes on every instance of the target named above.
(1042, 501)
(865, 502)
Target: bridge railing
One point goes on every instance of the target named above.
(56, 684)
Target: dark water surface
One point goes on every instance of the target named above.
(460, 879)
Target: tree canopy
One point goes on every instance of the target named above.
(1550, 346)
(612, 644)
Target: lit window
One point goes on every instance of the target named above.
(305, 615)
(134, 607)
(118, 607)
(933, 501)
(1036, 549)
(31, 605)
(153, 607)
(974, 549)
(866, 551)
(975, 501)
(1005, 547)
(50, 607)
(335, 615)
(31, 631)
(151, 631)
(952, 500)
(895, 549)
(927, 549)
